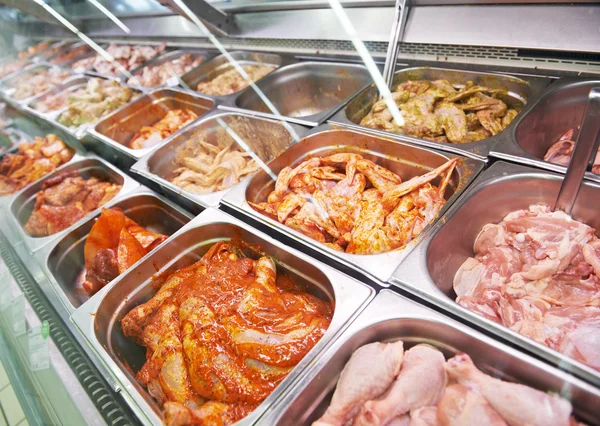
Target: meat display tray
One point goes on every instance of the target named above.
(390, 317)
(306, 93)
(99, 318)
(118, 128)
(429, 270)
(62, 46)
(520, 90)
(8, 82)
(22, 203)
(158, 165)
(403, 159)
(560, 108)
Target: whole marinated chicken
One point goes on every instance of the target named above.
(221, 334)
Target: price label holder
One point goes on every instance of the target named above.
(18, 315)
(38, 346)
(5, 288)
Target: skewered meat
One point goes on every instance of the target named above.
(32, 161)
(114, 243)
(32, 50)
(150, 136)
(37, 81)
(352, 204)
(65, 199)
(71, 54)
(125, 58)
(99, 98)
(443, 112)
(157, 75)
(221, 334)
(232, 81)
(430, 391)
(11, 67)
(538, 273)
(561, 151)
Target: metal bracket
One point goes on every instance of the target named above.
(214, 18)
(398, 27)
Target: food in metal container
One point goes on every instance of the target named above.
(6, 69)
(53, 102)
(221, 334)
(150, 136)
(383, 385)
(232, 81)
(98, 99)
(353, 205)
(442, 112)
(32, 161)
(37, 81)
(71, 54)
(124, 57)
(65, 199)
(561, 151)
(157, 75)
(32, 50)
(114, 243)
(538, 273)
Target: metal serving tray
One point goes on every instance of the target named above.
(158, 165)
(429, 270)
(167, 57)
(305, 93)
(8, 82)
(99, 318)
(118, 128)
(55, 49)
(22, 203)
(390, 317)
(403, 159)
(220, 64)
(7, 76)
(559, 109)
(520, 90)
(63, 261)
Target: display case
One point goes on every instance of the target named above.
(298, 212)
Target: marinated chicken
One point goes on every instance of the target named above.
(561, 151)
(114, 243)
(351, 204)
(99, 98)
(71, 54)
(65, 199)
(383, 385)
(124, 58)
(157, 75)
(6, 69)
(232, 81)
(32, 161)
(32, 50)
(538, 273)
(37, 81)
(150, 136)
(222, 333)
(53, 101)
(442, 112)
(54, 50)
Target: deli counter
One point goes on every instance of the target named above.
(299, 212)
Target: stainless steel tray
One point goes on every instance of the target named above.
(25, 62)
(306, 93)
(122, 76)
(99, 318)
(390, 317)
(63, 260)
(405, 160)
(158, 165)
(22, 202)
(429, 270)
(8, 82)
(560, 108)
(167, 57)
(70, 62)
(55, 49)
(118, 128)
(220, 64)
(520, 90)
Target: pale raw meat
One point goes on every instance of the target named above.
(461, 406)
(424, 416)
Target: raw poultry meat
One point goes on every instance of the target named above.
(11, 67)
(222, 333)
(99, 98)
(430, 391)
(36, 81)
(538, 273)
(114, 243)
(157, 75)
(32, 50)
(55, 49)
(232, 81)
(352, 204)
(150, 136)
(66, 198)
(71, 54)
(125, 58)
(561, 151)
(32, 161)
(443, 112)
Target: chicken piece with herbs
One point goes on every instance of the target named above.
(150, 136)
